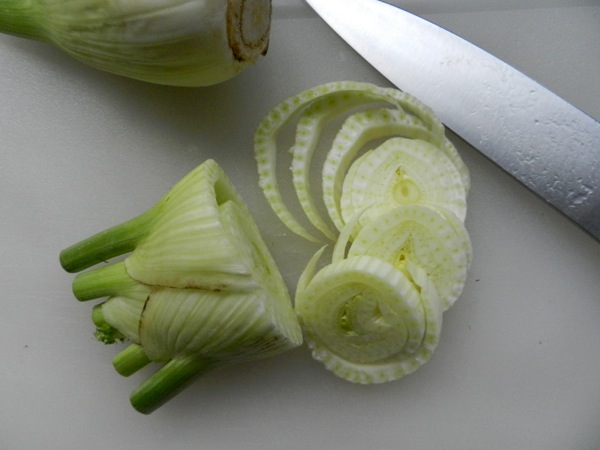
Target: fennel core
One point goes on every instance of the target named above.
(198, 290)
(170, 42)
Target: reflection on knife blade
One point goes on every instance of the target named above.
(543, 141)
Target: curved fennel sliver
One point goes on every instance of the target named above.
(265, 138)
(401, 172)
(421, 236)
(367, 321)
(340, 248)
(308, 133)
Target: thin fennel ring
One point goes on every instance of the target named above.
(367, 321)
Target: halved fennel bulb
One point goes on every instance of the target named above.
(394, 190)
(198, 291)
(371, 125)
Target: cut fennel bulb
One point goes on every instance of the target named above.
(198, 291)
(172, 42)
(395, 190)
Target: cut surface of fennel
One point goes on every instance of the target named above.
(409, 118)
(401, 172)
(172, 42)
(198, 291)
(368, 322)
(424, 237)
(395, 190)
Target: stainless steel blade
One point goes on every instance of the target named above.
(549, 145)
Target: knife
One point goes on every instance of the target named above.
(544, 142)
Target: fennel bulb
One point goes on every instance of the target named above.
(172, 42)
(198, 290)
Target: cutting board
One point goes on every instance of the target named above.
(519, 361)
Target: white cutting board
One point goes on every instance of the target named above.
(519, 362)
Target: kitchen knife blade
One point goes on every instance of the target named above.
(544, 142)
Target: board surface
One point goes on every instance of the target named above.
(82, 150)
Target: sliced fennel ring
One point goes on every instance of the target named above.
(402, 172)
(369, 322)
(421, 236)
(369, 125)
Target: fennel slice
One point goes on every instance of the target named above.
(404, 171)
(362, 309)
(356, 131)
(266, 148)
(395, 366)
(425, 115)
(422, 236)
(309, 271)
(265, 138)
(340, 250)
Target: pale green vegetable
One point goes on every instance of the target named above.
(369, 126)
(403, 172)
(173, 42)
(395, 190)
(308, 132)
(422, 236)
(369, 322)
(198, 291)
